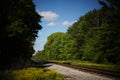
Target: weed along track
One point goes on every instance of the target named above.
(81, 73)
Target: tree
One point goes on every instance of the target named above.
(60, 46)
(19, 28)
(84, 29)
(97, 33)
(94, 37)
(39, 56)
(111, 31)
(53, 44)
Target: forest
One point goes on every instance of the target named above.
(95, 37)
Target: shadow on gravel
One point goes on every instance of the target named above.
(40, 64)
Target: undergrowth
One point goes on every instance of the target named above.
(31, 74)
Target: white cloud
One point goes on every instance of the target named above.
(49, 15)
(51, 24)
(74, 21)
(67, 23)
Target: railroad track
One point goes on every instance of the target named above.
(91, 70)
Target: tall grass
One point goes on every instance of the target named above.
(109, 67)
(31, 74)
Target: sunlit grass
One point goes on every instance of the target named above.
(110, 67)
(31, 74)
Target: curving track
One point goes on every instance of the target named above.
(80, 73)
(98, 71)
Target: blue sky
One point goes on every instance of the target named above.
(59, 15)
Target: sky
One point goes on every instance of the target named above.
(59, 15)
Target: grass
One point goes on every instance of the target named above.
(108, 67)
(31, 74)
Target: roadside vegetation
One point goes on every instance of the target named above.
(31, 74)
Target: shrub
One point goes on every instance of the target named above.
(31, 74)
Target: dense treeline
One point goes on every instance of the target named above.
(58, 47)
(95, 37)
(18, 30)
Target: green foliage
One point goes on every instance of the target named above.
(40, 55)
(18, 30)
(92, 47)
(31, 74)
(96, 34)
(59, 46)
(95, 37)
